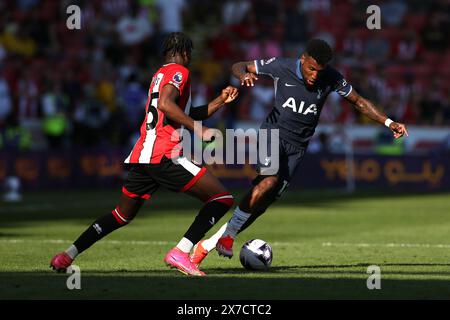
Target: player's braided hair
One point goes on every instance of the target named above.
(177, 43)
(320, 51)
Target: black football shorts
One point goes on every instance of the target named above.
(177, 175)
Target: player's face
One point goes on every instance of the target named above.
(310, 69)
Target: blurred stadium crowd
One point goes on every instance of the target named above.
(61, 88)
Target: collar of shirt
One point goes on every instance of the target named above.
(299, 73)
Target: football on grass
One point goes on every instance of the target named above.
(256, 254)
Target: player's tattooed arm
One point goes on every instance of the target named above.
(227, 95)
(245, 72)
(367, 108)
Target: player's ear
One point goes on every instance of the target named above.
(302, 58)
(187, 57)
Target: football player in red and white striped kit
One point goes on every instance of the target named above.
(156, 160)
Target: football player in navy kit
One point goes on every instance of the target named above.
(301, 88)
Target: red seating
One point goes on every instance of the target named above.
(360, 144)
(415, 21)
(425, 145)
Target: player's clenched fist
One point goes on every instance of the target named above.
(229, 94)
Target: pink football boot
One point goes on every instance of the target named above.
(61, 262)
(178, 259)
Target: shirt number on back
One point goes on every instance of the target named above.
(152, 113)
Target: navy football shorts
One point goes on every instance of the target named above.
(289, 158)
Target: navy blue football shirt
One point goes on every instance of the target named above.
(297, 106)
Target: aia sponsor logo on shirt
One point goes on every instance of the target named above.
(290, 103)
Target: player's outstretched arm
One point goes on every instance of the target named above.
(367, 108)
(167, 105)
(227, 95)
(245, 72)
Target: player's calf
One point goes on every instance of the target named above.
(213, 210)
(96, 231)
(264, 194)
(102, 227)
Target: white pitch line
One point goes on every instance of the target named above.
(387, 245)
(59, 241)
(275, 243)
(132, 242)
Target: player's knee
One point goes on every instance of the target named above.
(122, 216)
(266, 186)
(224, 198)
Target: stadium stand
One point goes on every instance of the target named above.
(65, 87)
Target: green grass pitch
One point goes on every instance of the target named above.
(323, 242)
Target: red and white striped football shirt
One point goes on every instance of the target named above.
(158, 134)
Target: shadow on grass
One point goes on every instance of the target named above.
(10, 235)
(161, 285)
(89, 204)
(333, 268)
